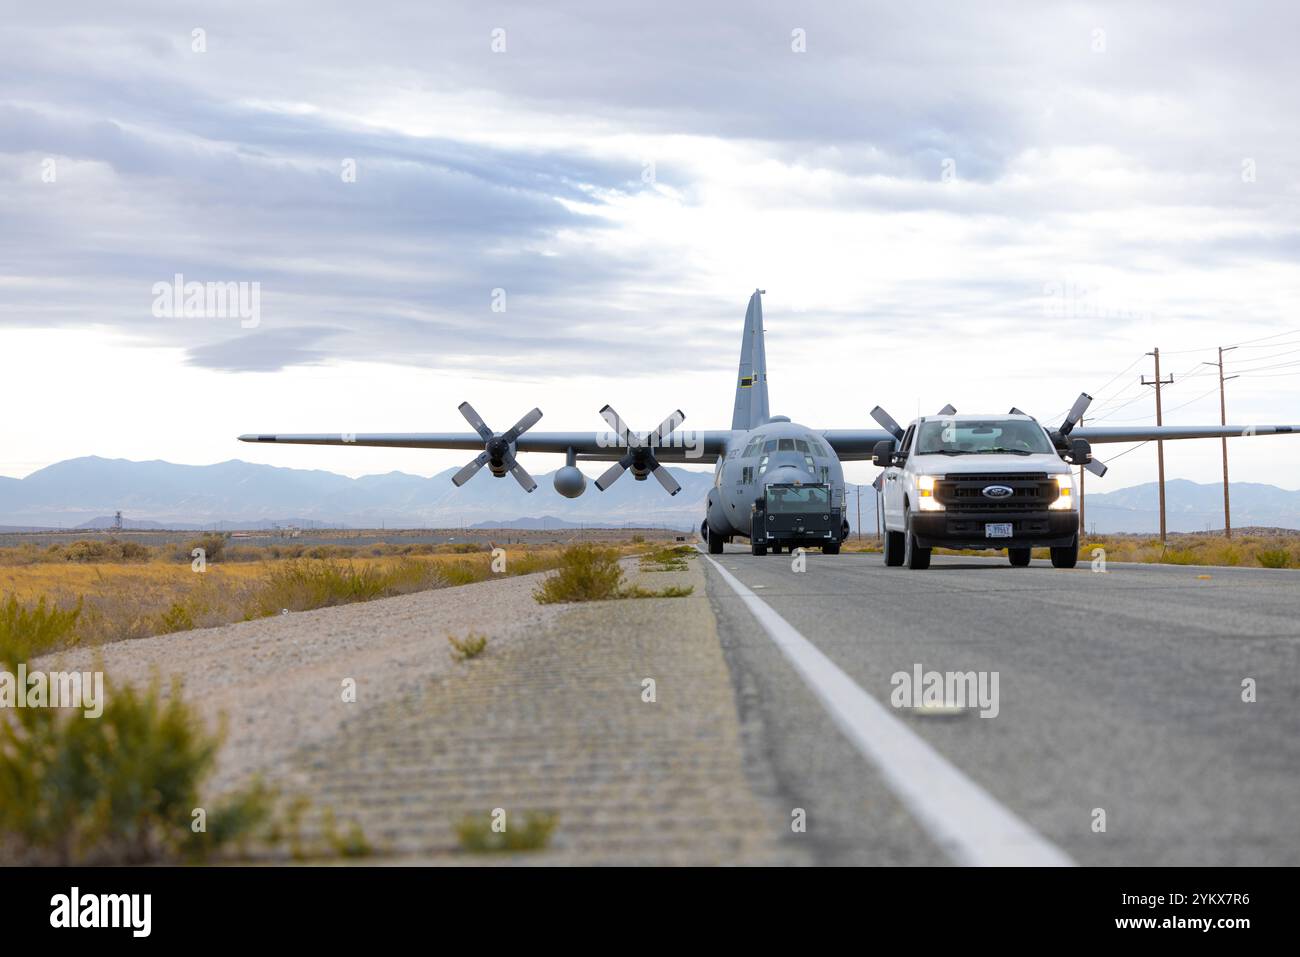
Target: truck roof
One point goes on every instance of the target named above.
(969, 417)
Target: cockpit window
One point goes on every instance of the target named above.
(983, 437)
(787, 445)
(817, 448)
(769, 445)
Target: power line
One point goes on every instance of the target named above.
(1235, 345)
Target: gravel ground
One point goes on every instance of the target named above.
(550, 718)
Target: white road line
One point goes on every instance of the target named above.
(964, 820)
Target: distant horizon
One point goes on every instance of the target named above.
(595, 466)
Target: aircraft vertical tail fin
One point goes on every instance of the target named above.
(751, 379)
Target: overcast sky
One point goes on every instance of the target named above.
(982, 204)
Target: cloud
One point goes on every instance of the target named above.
(625, 179)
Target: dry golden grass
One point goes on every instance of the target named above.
(121, 600)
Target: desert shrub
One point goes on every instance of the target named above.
(28, 632)
(585, 573)
(303, 584)
(213, 545)
(134, 552)
(667, 559)
(86, 551)
(176, 618)
(349, 843)
(242, 553)
(463, 548)
(117, 789)
(476, 835)
(471, 646)
(1273, 557)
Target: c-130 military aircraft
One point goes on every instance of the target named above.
(777, 483)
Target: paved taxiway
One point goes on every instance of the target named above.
(1120, 691)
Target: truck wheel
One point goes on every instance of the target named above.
(1067, 556)
(893, 549)
(756, 549)
(831, 549)
(716, 542)
(914, 556)
(1019, 556)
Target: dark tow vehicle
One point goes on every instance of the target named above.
(791, 515)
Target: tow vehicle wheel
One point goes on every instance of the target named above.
(756, 549)
(893, 549)
(831, 549)
(914, 556)
(1019, 556)
(716, 542)
(1067, 556)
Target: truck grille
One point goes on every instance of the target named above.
(1030, 491)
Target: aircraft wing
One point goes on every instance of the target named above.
(1145, 433)
(854, 445)
(683, 446)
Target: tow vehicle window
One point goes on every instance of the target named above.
(798, 498)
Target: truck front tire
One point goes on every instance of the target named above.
(914, 556)
(1020, 556)
(893, 548)
(1067, 556)
(716, 542)
(756, 549)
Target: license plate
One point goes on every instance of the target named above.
(997, 530)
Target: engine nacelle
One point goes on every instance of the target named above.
(570, 482)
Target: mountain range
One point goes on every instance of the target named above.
(86, 492)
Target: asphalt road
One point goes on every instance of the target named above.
(1120, 691)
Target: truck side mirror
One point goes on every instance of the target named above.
(1080, 452)
(882, 453)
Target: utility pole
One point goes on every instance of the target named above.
(1082, 526)
(1223, 420)
(1160, 445)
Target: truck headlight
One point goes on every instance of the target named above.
(926, 501)
(1066, 500)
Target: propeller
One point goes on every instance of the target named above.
(640, 456)
(498, 450)
(887, 422)
(1061, 437)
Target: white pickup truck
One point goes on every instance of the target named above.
(980, 481)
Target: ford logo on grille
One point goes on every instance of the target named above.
(997, 491)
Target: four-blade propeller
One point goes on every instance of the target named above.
(640, 451)
(1095, 466)
(498, 450)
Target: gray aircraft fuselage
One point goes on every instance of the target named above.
(777, 452)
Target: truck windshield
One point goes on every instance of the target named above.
(798, 498)
(982, 437)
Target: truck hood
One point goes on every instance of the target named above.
(956, 464)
